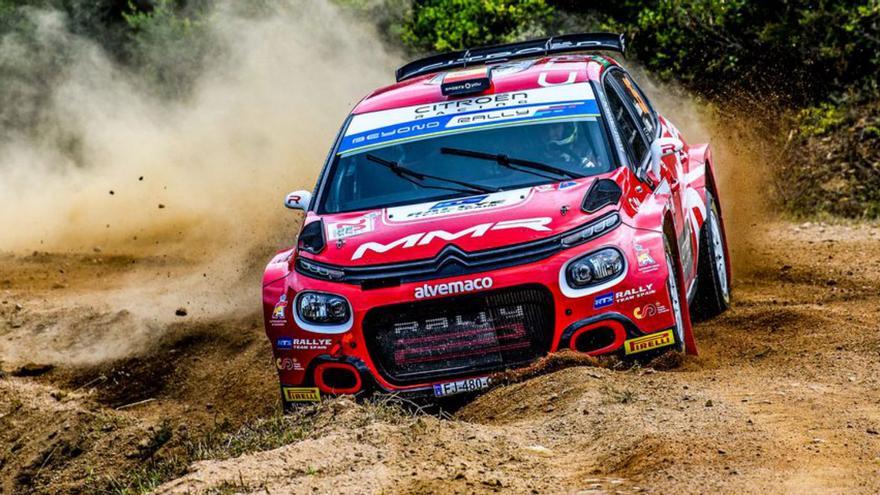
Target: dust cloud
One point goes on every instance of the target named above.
(264, 110)
(201, 179)
(190, 188)
(740, 154)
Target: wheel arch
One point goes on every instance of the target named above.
(712, 187)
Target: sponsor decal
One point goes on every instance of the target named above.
(649, 310)
(351, 228)
(532, 112)
(454, 206)
(466, 87)
(424, 238)
(301, 394)
(457, 287)
(463, 75)
(567, 184)
(648, 342)
(482, 320)
(493, 116)
(544, 81)
(288, 364)
(630, 294)
(466, 82)
(395, 125)
(544, 188)
(603, 300)
(278, 316)
(645, 260)
(459, 202)
(284, 343)
(486, 102)
(310, 344)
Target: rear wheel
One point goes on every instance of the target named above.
(713, 287)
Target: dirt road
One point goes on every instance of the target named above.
(784, 397)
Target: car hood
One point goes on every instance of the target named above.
(474, 223)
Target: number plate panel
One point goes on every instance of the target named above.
(460, 386)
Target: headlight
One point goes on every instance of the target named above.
(594, 268)
(322, 309)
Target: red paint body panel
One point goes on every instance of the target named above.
(421, 90)
(405, 234)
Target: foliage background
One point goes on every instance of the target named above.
(805, 72)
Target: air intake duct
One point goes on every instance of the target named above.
(602, 193)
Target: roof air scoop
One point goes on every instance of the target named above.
(466, 82)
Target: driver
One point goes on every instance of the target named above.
(562, 144)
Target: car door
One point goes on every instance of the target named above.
(639, 127)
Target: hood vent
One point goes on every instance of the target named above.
(602, 193)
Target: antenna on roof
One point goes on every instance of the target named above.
(548, 45)
(467, 55)
(587, 42)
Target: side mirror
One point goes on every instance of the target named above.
(298, 200)
(660, 148)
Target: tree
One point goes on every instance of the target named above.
(443, 25)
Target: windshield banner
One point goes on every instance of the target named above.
(378, 129)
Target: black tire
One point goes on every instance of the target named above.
(713, 285)
(673, 282)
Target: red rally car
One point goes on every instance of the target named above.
(491, 207)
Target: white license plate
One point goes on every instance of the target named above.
(460, 386)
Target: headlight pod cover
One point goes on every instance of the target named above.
(595, 268)
(592, 230)
(319, 308)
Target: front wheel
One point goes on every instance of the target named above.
(675, 299)
(684, 339)
(713, 286)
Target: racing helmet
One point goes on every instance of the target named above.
(561, 134)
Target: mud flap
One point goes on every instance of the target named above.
(690, 344)
(293, 397)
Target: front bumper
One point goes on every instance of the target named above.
(355, 358)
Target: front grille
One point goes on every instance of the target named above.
(460, 335)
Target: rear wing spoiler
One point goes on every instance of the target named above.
(524, 49)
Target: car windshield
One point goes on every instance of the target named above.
(498, 158)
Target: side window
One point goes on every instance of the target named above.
(629, 129)
(637, 101)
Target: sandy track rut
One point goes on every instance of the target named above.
(784, 398)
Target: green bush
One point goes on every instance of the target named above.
(169, 45)
(789, 51)
(443, 25)
(819, 120)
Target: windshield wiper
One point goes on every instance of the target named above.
(513, 163)
(410, 174)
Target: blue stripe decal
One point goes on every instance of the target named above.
(466, 121)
